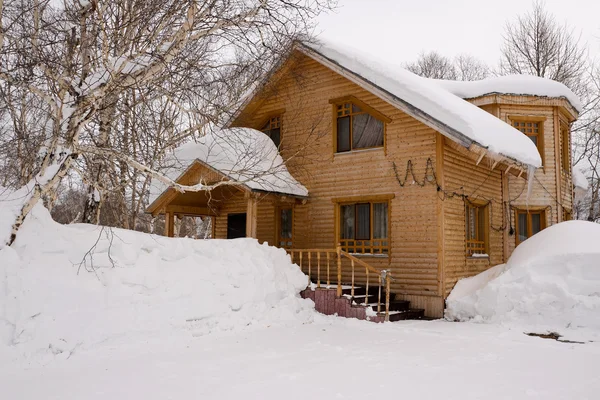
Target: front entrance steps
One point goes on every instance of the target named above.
(327, 302)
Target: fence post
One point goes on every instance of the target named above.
(388, 278)
(339, 270)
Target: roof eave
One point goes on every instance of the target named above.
(401, 104)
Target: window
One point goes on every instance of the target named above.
(364, 227)
(477, 229)
(357, 126)
(534, 131)
(567, 215)
(566, 148)
(285, 228)
(273, 129)
(529, 223)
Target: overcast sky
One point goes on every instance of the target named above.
(401, 29)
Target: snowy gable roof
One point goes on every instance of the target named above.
(520, 85)
(243, 155)
(431, 103)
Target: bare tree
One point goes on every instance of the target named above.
(88, 60)
(535, 44)
(463, 67)
(469, 68)
(433, 65)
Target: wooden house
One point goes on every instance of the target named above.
(426, 180)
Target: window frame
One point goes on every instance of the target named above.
(368, 250)
(565, 156)
(529, 212)
(278, 237)
(540, 135)
(483, 211)
(366, 109)
(274, 118)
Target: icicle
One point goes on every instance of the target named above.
(530, 176)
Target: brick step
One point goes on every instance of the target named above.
(327, 302)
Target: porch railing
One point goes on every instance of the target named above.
(327, 265)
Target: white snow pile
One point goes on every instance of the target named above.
(527, 85)
(64, 288)
(552, 281)
(579, 179)
(473, 124)
(243, 155)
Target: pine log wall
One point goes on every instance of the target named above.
(307, 146)
(428, 253)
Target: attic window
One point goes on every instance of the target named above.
(534, 131)
(273, 129)
(357, 126)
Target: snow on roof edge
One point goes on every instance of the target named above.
(458, 135)
(515, 85)
(243, 155)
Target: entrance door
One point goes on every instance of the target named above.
(236, 226)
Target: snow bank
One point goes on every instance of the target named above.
(136, 286)
(427, 95)
(552, 280)
(527, 85)
(244, 155)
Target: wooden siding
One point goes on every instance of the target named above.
(464, 180)
(551, 187)
(307, 146)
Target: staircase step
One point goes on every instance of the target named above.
(395, 305)
(415, 313)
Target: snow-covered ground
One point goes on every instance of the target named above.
(161, 318)
(330, 359)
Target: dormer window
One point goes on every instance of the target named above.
(534, 129)
(273, 129)
(357, 126)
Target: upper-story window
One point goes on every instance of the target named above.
(534, 131)
(566, 148)
(273, 129)
(357, 126)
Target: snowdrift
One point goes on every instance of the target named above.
(68, 288)
(552, 280)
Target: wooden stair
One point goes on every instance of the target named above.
(327, 302)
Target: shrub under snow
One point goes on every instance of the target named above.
(552, 280)
(135, 285)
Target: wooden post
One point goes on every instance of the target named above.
(388, 278)
(339, 270)
(169, 224)
(251, 217)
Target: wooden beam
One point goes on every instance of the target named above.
(480, 158)
(495, 163)
(439, 172)
(191, 210)
(169, 224)
(251, 217)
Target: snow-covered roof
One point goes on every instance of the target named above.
(243, 155)
(431, 102)
(521, 85)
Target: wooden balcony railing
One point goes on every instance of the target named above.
(326, 266)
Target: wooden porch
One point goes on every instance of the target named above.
(333, 286)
